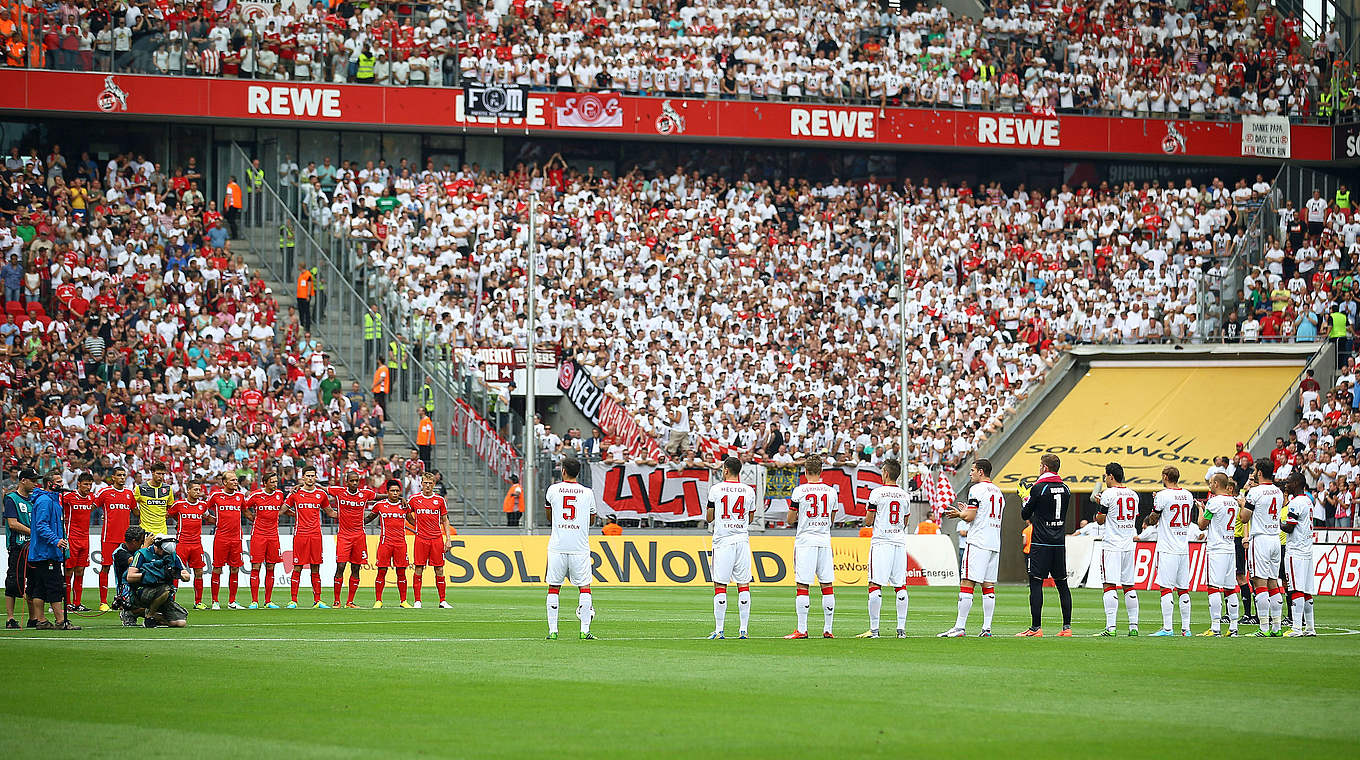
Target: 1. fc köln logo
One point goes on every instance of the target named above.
(112, 98)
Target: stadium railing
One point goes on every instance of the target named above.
(1218, 288)
(350, 286)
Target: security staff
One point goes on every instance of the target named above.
(319, 294)
(425, 440)
(382, 384)
(1343, 198)
(373, 334)
(255, 191)
(304, 296)
(427, 397)
(396, 360)
(287, 245)
(364, 73)
(232, 204)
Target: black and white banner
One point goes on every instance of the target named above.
(502, 101)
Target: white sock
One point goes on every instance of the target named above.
(1215, 610)
(1111, 599)
(1185, 612)
(1168, 604)
(585, 609)
(902, 609)
(804, 603)
(1297, 606)
(552, 613)
(875, 607)
(1263, 609)
(1276, 610)
(1234, 609)
(828, 611)
(744, 607)
(988, 608)
(965, 606)
(1131, 606)
(719, 610)
(1308, 614)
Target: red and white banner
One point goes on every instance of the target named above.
(1336, 566)
(604, 412)
(477, 433)
(50, 92)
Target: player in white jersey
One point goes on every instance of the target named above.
(1172, 508)
(1298, 555)
(1118, 516)
(731, 507)
(812, 507)
(1218, 519)
(571, 511)
(887, 513)
(1260, 512)
(982, 547)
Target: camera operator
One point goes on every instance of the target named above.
(133, 540)
(153, 569)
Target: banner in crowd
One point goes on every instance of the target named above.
(780, 482)
(604, 412)
(691, 119)
(1266, 136)
(1336, 566)
(483, 439)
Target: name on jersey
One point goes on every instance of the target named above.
(1018, 130)
(832, 122)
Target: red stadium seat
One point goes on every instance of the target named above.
(36, 309)
(14, 307)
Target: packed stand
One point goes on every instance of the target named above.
(1144, 58)
(1323, 443)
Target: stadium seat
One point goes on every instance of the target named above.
(36, 309)
(16, 308)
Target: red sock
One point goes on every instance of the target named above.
(417, 580)
(103, 585)
(439, 583)
(68, 583)
(339, 583)
(198, 589)
(401, 582)
(269, 586)
(216, 584)
(297, 580)
(255, 584)
(378, 584)
(233, 583)
(353, 587)
(316, 586)
(78, 585)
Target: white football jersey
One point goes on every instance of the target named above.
(890, 505)
(984, 531)
(572, 505)
(731, 502)
(1265, 501)
(1300, 515)
(1173, 525)
(1120, 507)
(816, 505)
(1219, 538)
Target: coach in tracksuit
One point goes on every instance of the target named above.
(1046, 510)
(47, 552)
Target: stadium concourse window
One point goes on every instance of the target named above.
(1206, 62)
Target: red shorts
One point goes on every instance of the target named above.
(80, 555)
(429, 551)
(106, 550)
(307, 549)
(226, 552)
(351, 549)
(265, 548)
(191, 555)
(392, 555)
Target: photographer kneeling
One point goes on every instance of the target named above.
(149, 577)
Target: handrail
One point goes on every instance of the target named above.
(1287, 396)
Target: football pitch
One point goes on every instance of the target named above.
(480, 681)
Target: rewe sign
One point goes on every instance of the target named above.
(323, 102)
(1018, 130)
(831, 122)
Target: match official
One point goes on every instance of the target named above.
(1046, 510)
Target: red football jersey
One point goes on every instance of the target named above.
(393, 519)
(427, 511)
(352, 507)
(227, 507)
(117, 505)
(76, 510)
(267, 507)
(188, 521)
(307, 505)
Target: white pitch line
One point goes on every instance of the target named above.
(567, 637)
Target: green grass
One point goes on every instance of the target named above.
(480, 681)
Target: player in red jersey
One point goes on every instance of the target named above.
(392, 547)
(189, 514)
(226, 506)
(429, 516)
(262, 509)
(76, 507)
(307, 503)
(351, 545)
(118, 506)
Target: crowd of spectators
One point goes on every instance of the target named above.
(1323, 443)
(133, 333)
(1211, 60)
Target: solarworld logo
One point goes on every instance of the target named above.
(851, 565)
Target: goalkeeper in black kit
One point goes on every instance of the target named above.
(1046, 510)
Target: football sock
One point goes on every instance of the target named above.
(316, 587)
(353, 586)
(417, 581)
(1036, 601)
(1276, 609)
(965, 606)
(1308, 613)
(78, 585)
(1168, 606)
(440, 584)
(802, 603)
(254, 584)
(216, 584)
(719, 607)
(552, 610)
(1296, 604)
(198, 589)
(1263, 608)
(67, 587)
(1248, 597)
(401, 583)
(1131, 606)
(744, 606)
(379, 584)
(1064, 600)
(1185, 611)
(269, 586)
(1234, 609)
(296, 581)
(875, 606)
(1215, 609)
(585, 609)
(828, 608)
(104, 585)
(902, 607)
(339, 583)
(988, 607)
(233, 583)
(1111, 600)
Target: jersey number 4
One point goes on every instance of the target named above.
(812, 500)
(738, 509)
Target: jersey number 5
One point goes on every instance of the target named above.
(812, 500)
(568, 507)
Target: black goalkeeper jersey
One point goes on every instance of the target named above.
(1046, 509)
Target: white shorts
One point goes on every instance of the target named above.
(1173, 571)
(573, 567)
(1299, 570)
(1222, 571)
(1117, 568)
(979, 565)
(1263, 557)
(732, 562)
(887, 564)
(812, 564)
